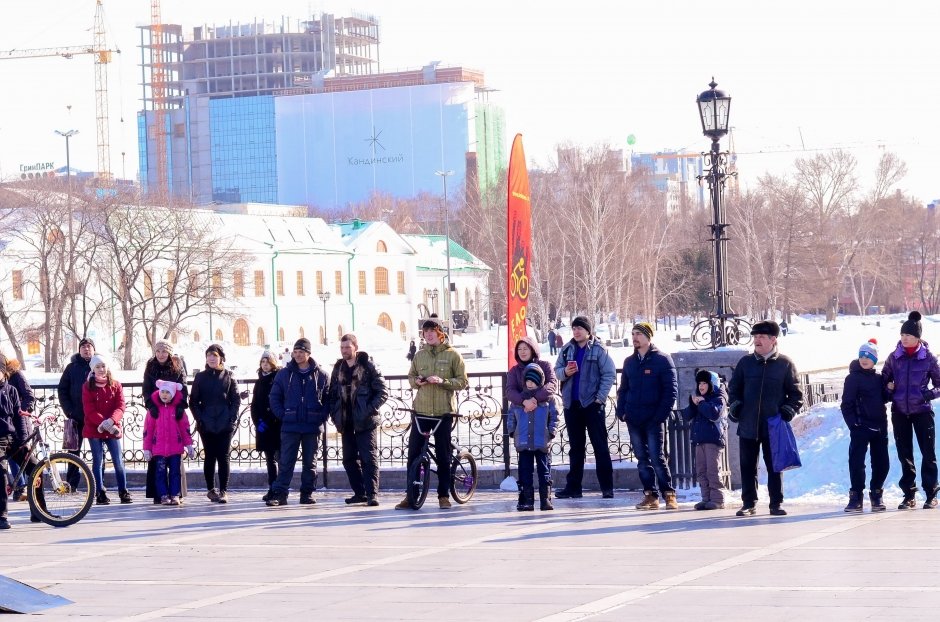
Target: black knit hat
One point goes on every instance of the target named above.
(303, 344)
(217, 349)
(86, 340)
(534, 373)
(912, 325)
(584, 322)
(766, 327)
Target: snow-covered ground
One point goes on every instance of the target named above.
(821, 433)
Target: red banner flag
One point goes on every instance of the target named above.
(518, 247)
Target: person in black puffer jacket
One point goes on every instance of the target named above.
(267, 426)
(214, 403)
(162, 366)
(863, 408)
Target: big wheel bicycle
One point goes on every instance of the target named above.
(463, 466)
(62, 504)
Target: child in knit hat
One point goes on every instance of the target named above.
(166, 438)
(863, 408)
(533, 432)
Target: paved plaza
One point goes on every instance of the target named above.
(590, 559)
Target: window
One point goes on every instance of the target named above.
(300, 283)
(381, 247)
(179, 130)
(259, 340)
(401, 281)
(240, 332)
(192, 283)
(339, 282)
(403, 330)
(218, 334)
(171, 281)
(362, 281)
(319, 281)
(301, 331)
(385, 322)
(17, 285)
(279, 282)
(280, 334)
(174, 337)
(340, 332)
(196, 336)
(259, 282)
(381, 281)
(238, 282)
(32, 343)
(216, 284)
(148, 284)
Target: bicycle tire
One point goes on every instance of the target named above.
(463, 477)
(64, 505)
(419, 481)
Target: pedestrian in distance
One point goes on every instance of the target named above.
(357, 391)
(103, 406)
(163, 365)
(645, 399)
(412, 349)
(708, 416)
(532, 430)
(69, 392)
(863, 407)
(552, 348)
(267, 426)
(166, 439)
(587, 374)
(214, 402)
(300, 400)
(764, 384)
(912, 377)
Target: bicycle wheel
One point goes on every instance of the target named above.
(63, 505)
(463, 481)
(419, 480)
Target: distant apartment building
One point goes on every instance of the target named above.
(675, 174)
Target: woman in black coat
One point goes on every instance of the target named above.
(267, 426)
(162, 366)
(214, 403)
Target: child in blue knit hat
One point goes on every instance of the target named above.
(533, 432)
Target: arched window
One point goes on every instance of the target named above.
(381, 247)
(218, 334)
(280, 334)
(381, 280)
(196, 336)
(240, 332)
(340, 332)
(403, 330)
(260, 337)
(32, 343)
(302, 331)
(174, 337)
(385, 322)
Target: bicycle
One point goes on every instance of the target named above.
(463, 467)
(62, 504)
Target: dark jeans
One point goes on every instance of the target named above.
(750, 451)
(543, 464)
(113, 445)
(861, 440)
(647, 443)
(905, 428)
(585, 422)
(167, 475)
(360, 459)
(217, 448)
(270, 460)
(442, 449)
(291, 443)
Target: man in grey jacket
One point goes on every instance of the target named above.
(586, 374)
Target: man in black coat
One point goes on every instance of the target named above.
(70, 397)
(357, 391)
(763, 384)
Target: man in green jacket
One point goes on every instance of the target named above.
(437, 373)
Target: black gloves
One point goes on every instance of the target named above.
(927, 394)
(734, 409)
(787, 413)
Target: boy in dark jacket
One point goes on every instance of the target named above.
(863, 408)
(707, 411)
(533, 431)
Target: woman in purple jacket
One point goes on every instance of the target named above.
(907, 372)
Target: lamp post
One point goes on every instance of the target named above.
(722, 327)
(432, 296)
(450, 286)
(68, 177)
(324, 296)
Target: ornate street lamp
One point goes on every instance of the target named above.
(722, 327)
(432, 296)
(324, 296)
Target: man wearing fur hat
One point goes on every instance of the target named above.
(70, 396)
(586, 373)
(357, 391)
(647, 395)
(907, 373)
(764, 384)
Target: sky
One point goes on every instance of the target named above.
(804, 76)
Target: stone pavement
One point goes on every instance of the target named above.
(589, 560)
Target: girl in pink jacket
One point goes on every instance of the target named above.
(166, 438)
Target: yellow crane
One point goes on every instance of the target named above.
(102, 54)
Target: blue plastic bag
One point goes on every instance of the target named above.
(784, 453)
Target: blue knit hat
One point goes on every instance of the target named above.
(534, 373)
(869, 350)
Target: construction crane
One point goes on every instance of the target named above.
(158, 94)
(102, 53)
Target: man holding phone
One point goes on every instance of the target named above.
(586, 373)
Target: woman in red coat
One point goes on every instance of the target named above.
(103, 402)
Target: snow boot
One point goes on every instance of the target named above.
(877, 503)
(520, 504)
(671, 503)
(908, 502)
(545, 497)
(650, 501)
(855, 501)
(528, 500)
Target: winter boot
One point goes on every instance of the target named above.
(650, 501)
(877, 503)
(908, 502)
(855, 502)
(520, 505)
(671, 503)
(528, 504)
(545, 498)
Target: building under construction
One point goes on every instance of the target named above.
(299, 113)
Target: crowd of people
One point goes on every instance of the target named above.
(292, 402)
